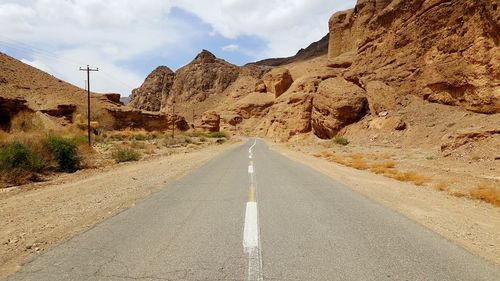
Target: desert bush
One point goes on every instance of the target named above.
(19, 156)
(486, 193)
(219, 135)
(341, 140)
(138, 145)
(65, 152)
(141, 137)
(125, 155)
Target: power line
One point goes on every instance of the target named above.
(49, 55)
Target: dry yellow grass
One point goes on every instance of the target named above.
(458, 193)
(487, 193)
(410, 177)
(358, 163)
(442, 186)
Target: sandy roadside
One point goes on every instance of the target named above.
(36, 217)
(472, 224)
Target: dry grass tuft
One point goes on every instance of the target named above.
(410, 177)
(442, 186)
(486, 193)
(358, 163)
(458, 193)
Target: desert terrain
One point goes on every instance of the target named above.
(399, 103)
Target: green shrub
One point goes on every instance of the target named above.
(17, 156)
(65, 152)
(219, 135)
(340, 140)
(125, 155)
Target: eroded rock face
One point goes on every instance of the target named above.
(278, 81)
(381, 98)
(210, 121)
(289, 117)
(9, 108)
(151, 121)
(336, 104)
(442, 51)
(149, 95)
(205, 76)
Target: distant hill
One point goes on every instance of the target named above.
(314, 50)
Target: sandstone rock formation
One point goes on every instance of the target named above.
(278, 81)
(380, 97)
(149, 95)
(442, 51)
(210, 121)
(205, 76)
(336, 104)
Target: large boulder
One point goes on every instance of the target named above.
(290, 116)
(336, 104)
(278, 81)
(149, 95)
(210, 121)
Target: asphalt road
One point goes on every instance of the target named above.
(252, 214)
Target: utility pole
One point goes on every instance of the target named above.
(88, 69)
(173, 115)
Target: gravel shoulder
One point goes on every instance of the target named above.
(472, 224)
(36, 217)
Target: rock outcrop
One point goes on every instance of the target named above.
(278, 81)
(442, 51)
(210, 121)
(9, 109)
(336, 104)
(149, 95)
(205, 76)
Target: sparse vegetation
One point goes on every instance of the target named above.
(386, 167)
(442, 186)
(409, 177)
(341, 140)
(219, 135)
(487, 193)
(19, 156)
(65, 153)
(429, 158)
(125, 155)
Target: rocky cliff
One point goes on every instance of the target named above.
(442, 51)
(380, 61)
(149, 95)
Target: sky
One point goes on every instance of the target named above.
(127, 39)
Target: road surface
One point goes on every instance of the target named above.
(253, 214)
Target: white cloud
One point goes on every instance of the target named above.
(287, 25)
(59, 36)
(231, 48)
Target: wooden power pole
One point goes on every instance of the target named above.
(88, 69)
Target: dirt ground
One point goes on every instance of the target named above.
(37, 216)
(473, 224)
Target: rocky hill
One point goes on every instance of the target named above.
(314, 50)
(31, 99)
(398, 69)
